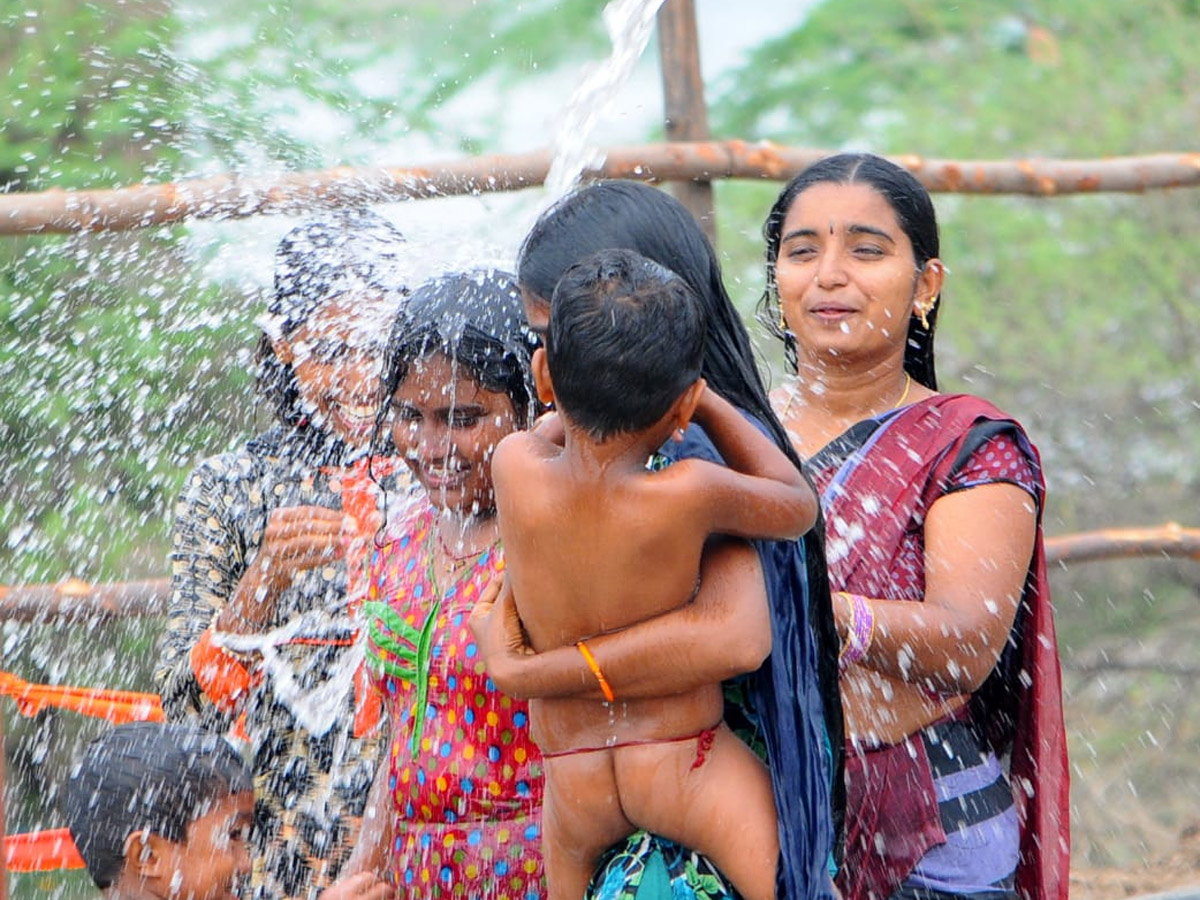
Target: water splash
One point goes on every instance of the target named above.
(315, 708)
(629, 24)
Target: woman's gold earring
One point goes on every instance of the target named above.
(925, 316)
(782, 321)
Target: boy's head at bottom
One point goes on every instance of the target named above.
(161, 811)
(624, 347)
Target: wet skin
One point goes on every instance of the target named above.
(848, 283)
(338, 382)
(209, 862)
(447, 426)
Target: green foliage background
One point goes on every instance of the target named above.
(123, 357)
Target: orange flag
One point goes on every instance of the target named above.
(117, 707)
(41, 851)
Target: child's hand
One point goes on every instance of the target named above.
(710, 402)
(363, 886)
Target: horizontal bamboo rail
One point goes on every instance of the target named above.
(1169, 541)
(75, 601)
(234, 196)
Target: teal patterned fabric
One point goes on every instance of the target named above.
(646, 867)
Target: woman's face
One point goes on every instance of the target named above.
(846, 275)
(447, 425)
(338, 378)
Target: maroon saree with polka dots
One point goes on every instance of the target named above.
(878, 481)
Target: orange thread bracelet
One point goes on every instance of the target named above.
(605, 689)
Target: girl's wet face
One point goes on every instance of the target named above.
(337, 371)
(846, 275)
(447, 425)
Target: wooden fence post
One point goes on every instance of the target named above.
(684, 109)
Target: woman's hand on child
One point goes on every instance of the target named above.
(363, 886)
(495, 623)
(498, 631)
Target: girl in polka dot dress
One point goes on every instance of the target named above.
(459, 797)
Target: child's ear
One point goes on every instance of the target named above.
(685, 406)
(144, 855)
(541, 377)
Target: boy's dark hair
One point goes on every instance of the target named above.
(626, 339)
(145, 776)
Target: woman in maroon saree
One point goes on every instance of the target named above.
(956, 775)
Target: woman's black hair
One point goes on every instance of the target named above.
(629, 215)
(915, 213)
(476, 319)
(349, 251)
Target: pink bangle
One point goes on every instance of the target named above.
(861, 631)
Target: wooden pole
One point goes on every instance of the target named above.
(74, 601)
(300, 193)
(1169, 541)
(685, 112)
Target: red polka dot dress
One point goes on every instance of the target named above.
(464, 773)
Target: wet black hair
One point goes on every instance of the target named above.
(476, 319)
(629, 215)
(915, 213)
(626, 339)
(145, 776)
(348, 251)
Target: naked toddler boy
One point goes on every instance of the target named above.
(596, 542)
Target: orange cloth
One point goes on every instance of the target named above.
(360, 501)
(117, 707)
(41, 851)
(368, 702)
(47, 851)
(220, 674)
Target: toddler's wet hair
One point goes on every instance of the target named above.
(626, 339)
(145, 776)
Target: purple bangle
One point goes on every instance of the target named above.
(861, 631)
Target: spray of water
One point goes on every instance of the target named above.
(629, 24)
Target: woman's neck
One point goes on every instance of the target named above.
(465, 536)
(458, 543)
(850, 395)
(824, 401)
